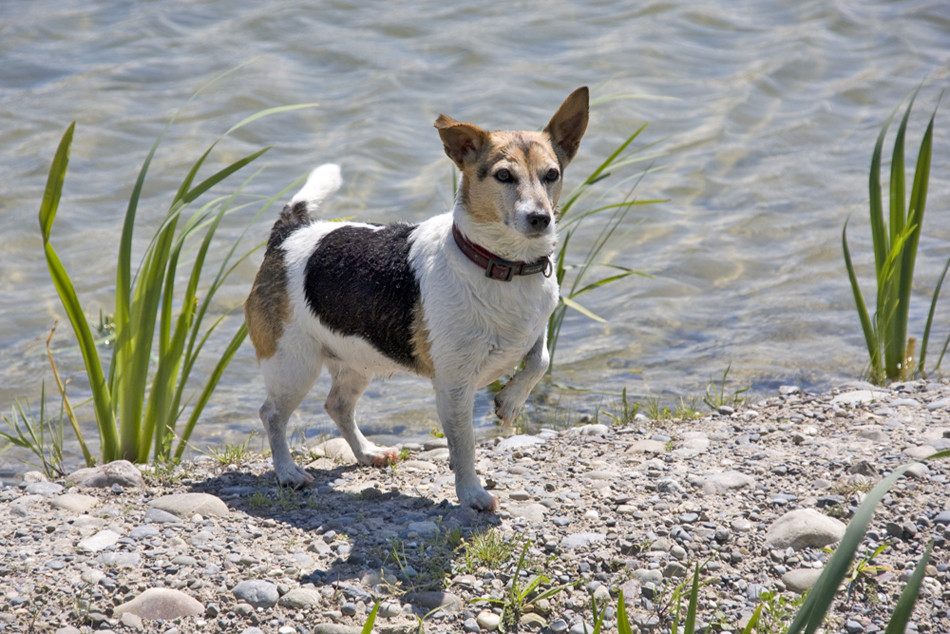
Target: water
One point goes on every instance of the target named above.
(762, 116)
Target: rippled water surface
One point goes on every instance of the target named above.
(762, 117)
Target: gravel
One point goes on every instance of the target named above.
(212, 548)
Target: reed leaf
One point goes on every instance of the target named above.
(897, 624)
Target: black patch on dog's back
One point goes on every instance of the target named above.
(358, 282)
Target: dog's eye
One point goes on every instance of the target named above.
(552, 175)
(504, 176)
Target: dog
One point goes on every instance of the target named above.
(462, 298)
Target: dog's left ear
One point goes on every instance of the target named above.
(569, 123)
(462, 141)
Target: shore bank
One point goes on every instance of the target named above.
(753, 495)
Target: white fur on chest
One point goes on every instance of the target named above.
(479, 328)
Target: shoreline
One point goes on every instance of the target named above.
(631, 508)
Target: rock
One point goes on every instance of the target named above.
(647, 446)
(161, 603)
(802, 528)
(581, 540)
(534, 513)
(257, 593)
(185, 505)
(160, 516)
(336, 449)
(99, 542)
(121, 472)
(336, 628)
(724, 482)
(801, 579)
(431, 599)
(594, 429)
(857, 397)
(488, 621)
(300, 598)
(75, 502)
(46, 489)
(519, 441)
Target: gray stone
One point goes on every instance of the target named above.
(488, 621)
(74, 502)
(161, 603)
(519, 441)
(430, 600)
(258, 593)
(300, 598)
(99, 542)
(121, 472)
(942, 403)
(160, 516)
(802, 528)
(581, 540)
(594, 429)
(856, 397)
(336, 449)
(144, 532)
(46, 489)
(800, 579)
(725, 482)
(647, 446)
(336, 628)
(120, 559)
(185, 505)
(534, 512)
(426, 528)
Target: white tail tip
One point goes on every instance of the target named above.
(323, 181)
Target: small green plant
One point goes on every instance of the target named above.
(626, 413)
(43, 436)
(891, 353)
(521, 599)
(231, 453)
(139, 401)
(716, 395)
(488, 549)
(773, 613)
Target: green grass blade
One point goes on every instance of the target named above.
(812, 612)
(690, 626)
(870, 338)
(573, 304)
(905, 604)
(876, 208)
(370, 620)
(268, 112)
(70, 301)
(210, 386)
(623, 621)
(930, 318)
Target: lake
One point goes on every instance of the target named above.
(761, 121)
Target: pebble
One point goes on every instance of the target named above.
(803, 528)
(256, 593)
(161, 603)
(614, 508)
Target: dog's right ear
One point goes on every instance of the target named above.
(462, 141)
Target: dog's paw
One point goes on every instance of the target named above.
(478, 499)
(379, 457)
(506, 409)
(293, 476)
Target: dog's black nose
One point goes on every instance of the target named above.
(539, 221)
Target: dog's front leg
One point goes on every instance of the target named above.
(511, 398)
(455, 404)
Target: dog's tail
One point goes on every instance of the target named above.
(322, 182)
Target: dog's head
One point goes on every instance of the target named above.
(511, 181)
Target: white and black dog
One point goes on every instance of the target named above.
(462, 298)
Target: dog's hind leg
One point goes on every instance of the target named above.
(348, 385)
(287, 380)
(509, 401)
(455, 404)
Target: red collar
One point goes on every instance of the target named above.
(496, 267)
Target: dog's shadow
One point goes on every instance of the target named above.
(389, 541)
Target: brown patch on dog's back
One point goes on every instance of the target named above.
(420, 343)
(267, 307)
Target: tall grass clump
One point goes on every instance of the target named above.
(611, 214)
(160, 327)
(891, 352)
